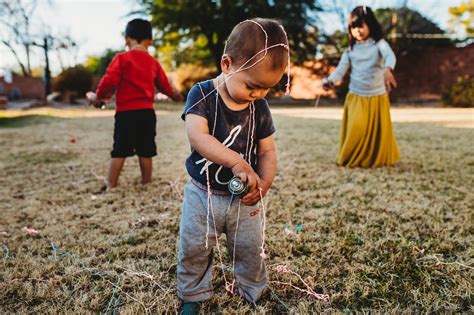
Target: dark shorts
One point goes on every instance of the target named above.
(134, 133)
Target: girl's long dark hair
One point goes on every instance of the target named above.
(361, 15)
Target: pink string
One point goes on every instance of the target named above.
(308, 290)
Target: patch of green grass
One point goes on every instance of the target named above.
(25, 121)
(396, 239)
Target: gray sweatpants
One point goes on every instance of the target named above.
(195, 261)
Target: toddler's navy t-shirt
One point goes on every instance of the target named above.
(231, 129)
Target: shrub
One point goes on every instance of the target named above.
(73, 82)
(461, 93)
(189, 74)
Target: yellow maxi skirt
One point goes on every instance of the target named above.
(367, 138)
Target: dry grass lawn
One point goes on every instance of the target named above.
(395, 239)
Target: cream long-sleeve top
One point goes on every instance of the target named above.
(367, 61)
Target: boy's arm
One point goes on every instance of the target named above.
(110, 79)
(210, 148)
(266, 169)
(164, 86)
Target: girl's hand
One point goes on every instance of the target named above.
(328, 85)
(389, 79)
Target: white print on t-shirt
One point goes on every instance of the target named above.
(227, 142)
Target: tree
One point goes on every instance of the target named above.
(73, 83)
(406, 29)
(172, 54)
(412, 30)
(98, 64)
(191, 20)
(463, 16)
(15, 22)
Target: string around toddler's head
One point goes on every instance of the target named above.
(245, 65)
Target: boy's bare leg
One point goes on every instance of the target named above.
(116, 165)
(146, 167)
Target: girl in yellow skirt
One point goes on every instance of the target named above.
(367, 138)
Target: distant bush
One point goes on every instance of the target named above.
(461, 93)
(189, 74)
(73, 83)
(98, 64)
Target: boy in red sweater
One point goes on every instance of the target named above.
(134, 75)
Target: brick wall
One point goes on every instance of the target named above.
(426, 75)
(28, 88)
(421, 76)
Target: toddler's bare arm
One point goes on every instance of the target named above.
(210, 148)
(266, 169)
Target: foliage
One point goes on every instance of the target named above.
(188, 20)
(410, 22)
(172, 54)
(460, 93)
(16, 30)
(98, 64)
(22, 33)
(334, 44)
(76, 80)
(188, 74)
(92, 64)
(463, 16)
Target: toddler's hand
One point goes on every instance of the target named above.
(246, 173)
(253, 196)
(389, 79)
(328, 85)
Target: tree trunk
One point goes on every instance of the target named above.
(28, 59)
(216, 50)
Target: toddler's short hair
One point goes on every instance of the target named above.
(138, 29)
(247, 39)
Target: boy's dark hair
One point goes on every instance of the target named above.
(361, 15)
(247, 39)
(138, 29)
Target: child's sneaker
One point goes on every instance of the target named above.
(189, 308)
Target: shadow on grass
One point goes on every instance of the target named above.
(28, 120)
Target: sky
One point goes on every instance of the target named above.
(97, 25)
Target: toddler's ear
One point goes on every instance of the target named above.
(226, 63)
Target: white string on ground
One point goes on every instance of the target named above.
(317, 100)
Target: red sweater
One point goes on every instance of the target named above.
(134, 75)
